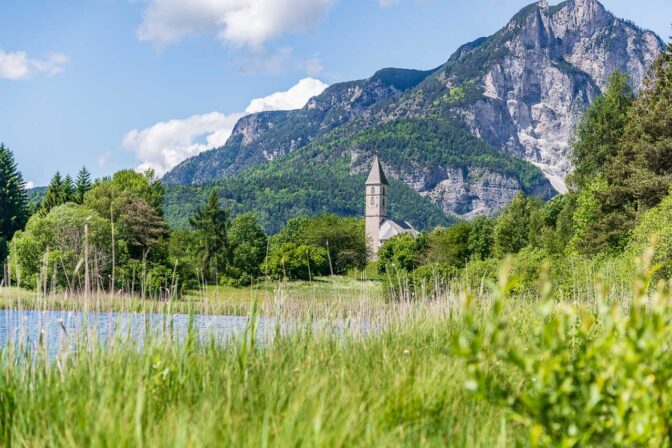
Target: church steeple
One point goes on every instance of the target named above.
(376, 205)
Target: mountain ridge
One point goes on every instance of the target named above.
(519, 91)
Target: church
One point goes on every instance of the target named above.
(378, 228)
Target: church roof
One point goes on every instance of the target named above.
(389, 228)
(377, 175)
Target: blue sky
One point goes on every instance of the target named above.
(114, 84)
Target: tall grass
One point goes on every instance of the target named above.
(395, 386)
(454, 365)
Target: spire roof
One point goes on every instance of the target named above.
(377, 175)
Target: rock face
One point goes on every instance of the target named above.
(555, 61)
(521, 90)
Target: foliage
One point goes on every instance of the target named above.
(59, 192)
(640, 172)
(481, 237)
(519, 224)
(449, 246)
(402, 252)
(296, 262)
(212, 224)
(51, 248)
(249, 245)
(600, 130)
(591, 376)
(133, 202)
(655, 225)
(82, 185)
(13, 201)
(343, 238)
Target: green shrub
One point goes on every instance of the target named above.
(296, 262)
(581, 375)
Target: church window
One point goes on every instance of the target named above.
(373, 201)
(373, 190)
(383, 202)
(383, 190)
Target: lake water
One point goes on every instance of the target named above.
(59, 329)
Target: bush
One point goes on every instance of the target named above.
(51, 248)
(586, 375)
(402, 252)
(296, 262)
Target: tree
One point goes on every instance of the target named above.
(449, 246)
(212, 222)
(82, 185)
(403, 252)
(481, 238)
(600, 129)
(133, 202)
(519, 225)
(56, 193)
(248, 248)
(54, 244)
(343, 238)
(69, 191)
(140, 225)
(639, 174)
(13, 201)
(296, 262)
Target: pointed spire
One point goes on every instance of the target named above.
(377, 175)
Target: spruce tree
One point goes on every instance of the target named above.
(13, 201)
(600, 130)
(212, 222)
(82, 185)
(69, 190)
(639, 173)
(55, 193)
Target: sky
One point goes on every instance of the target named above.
(114, 84)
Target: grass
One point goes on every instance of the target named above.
(336, 294)
(399, 386)
(409, 380)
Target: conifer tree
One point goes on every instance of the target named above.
(212, 221)
(82, 185)
(600, 130)
(640, 173)
(13, 201)
(69, 189)
(55, 193)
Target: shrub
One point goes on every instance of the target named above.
(586, 375)
(296, 262)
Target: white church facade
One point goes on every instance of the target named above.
(378, 228)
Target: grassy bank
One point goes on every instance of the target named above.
(400, 386)
(465, 369)
(332, 295)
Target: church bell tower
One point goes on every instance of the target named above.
(376, 206)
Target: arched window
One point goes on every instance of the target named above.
(373, 201)
(373, 190)
(383, 202)
(383, 190)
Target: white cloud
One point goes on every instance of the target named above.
(18, 65)
(240, 22)
(166, 144)
(294, 98)
(29, 184)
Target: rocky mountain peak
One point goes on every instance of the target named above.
(517, 94)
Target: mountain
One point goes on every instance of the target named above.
(466, 136)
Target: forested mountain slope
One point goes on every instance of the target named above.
(466, 136)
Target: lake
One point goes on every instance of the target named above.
(58, 330)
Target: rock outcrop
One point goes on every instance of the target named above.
(521, 90)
